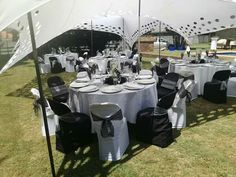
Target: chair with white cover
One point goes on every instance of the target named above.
(70, 64)
(177, 112)
(111, 128)
(51, 117)
(231, 90)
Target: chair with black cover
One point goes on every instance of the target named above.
(216, 90)
(56, 66)
(202, 61)
(58, 89)
(233, 74)
(111, 129)
(75, 128)
(164, 64)
(168, 84)
(153, 125)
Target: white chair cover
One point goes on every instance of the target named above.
(70, 64)
(231, 89)
(112, 148)
(177, 113)
(52, 119)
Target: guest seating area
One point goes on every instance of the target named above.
(103, 106)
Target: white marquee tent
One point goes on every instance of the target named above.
(54, 17)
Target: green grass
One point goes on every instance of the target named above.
(206, 148)
(177, 53)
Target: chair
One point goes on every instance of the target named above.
(216, 90)
(58, 89)
(51, 118)
(164, 64)
(56, 67)
(231, 90)
(202, 61)
(153, 125)
(169, 84)
(75, 128)
(177, 112)
(111, 128)
(70, 64)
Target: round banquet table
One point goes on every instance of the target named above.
(130, 101)
(202, 72)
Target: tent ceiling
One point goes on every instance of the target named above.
(187, 17)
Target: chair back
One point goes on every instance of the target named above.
(106, 112)
(35, 93)
(170, 81)
(222, 75)
(159, 71)
(164, 63)
(167, 101)
(202, 61)
(55, 81)
(58, 108)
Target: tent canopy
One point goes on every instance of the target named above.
(54, 17)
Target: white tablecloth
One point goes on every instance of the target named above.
(129, 101)
(202, 72)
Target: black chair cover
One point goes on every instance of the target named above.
(216, 90)
(75, 128)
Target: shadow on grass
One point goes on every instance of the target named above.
(201, 111)
(85, 161)
(25, 90)
(3, 159)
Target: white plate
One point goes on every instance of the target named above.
(144, 77)
(125, 74)
(112, 89)
(90, 88)
(146, 81)
(86, 79)
(79, 85)
(82, 74)
(145, 72)
(96, 76)
(133, 86)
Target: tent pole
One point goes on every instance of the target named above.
(91, 38)
(159, 40)
(139, 33)
(123, 37)
(35, 55)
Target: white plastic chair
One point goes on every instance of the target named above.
(110, 148)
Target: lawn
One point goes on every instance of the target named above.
(206, 148)
(177, 53)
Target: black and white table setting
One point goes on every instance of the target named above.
(137, 93)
